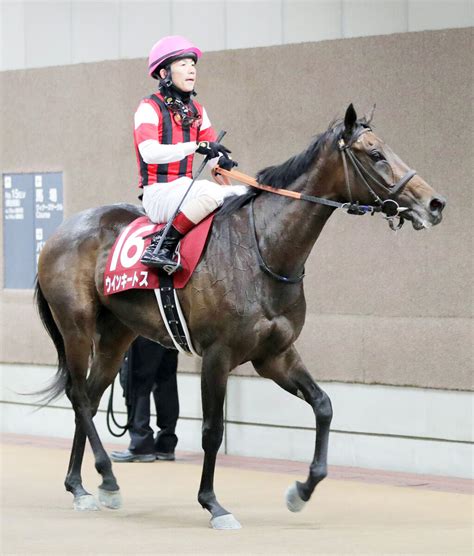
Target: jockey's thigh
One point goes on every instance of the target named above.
(214, 190)
(206, 196)
(161, 200)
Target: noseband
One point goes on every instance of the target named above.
(389, 207)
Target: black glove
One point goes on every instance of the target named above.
(226, 162)
(211, 149)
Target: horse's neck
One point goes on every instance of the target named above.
(287, 229)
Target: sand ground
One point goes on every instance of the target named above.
(160, 513)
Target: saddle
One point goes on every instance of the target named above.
(124, 271)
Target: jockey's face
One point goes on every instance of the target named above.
(183, 74)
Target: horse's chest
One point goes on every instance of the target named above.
(278, 333)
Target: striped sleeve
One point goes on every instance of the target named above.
(146, 122)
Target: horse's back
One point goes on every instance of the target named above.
(70, 256)
(97, 219)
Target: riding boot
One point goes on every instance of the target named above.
(163, 258)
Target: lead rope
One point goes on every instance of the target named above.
(111, 417)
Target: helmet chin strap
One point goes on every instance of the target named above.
(167, 81)
(169, 88)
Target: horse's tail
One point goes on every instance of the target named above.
(61, 379)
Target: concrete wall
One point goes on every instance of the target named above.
(58, 32)
(414, 430)
(383, 308)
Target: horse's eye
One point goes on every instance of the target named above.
(376, 155)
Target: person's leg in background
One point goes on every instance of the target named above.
(143, 359)
(165, 393)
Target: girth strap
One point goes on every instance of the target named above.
(172, 315)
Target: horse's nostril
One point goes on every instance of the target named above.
(437, 204)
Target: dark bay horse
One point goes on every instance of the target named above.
(236, 311)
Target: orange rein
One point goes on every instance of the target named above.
(240, 176)
(222, 177)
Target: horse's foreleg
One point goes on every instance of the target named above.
(289, 372)
(215, 370)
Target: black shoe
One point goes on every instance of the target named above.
(165, 456)
(165, 257)
(128, 457)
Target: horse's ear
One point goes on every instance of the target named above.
(368, 117)
(350, 120)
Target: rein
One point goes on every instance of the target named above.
(262, 264)
(389, 207)
(248, 180)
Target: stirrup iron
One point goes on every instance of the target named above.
(172, 268)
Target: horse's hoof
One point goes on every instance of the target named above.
(226, 521)
(110, 498)
(294, 502)
(86, 503)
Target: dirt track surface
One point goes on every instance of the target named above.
(160, 514)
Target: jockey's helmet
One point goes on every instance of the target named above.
(169, 49)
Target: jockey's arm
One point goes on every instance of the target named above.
(207, 133)
(155, 153)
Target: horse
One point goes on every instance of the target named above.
(244, 302)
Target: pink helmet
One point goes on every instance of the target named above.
(171, 48)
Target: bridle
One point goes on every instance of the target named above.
(388, 207)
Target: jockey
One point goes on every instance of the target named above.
(169, 128)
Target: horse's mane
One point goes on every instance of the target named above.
(282, 175)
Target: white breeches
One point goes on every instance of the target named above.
(161, 200)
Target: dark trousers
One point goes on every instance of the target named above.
(149, 368)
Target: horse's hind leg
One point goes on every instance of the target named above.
(85, 396)
(289, 372)
(114, 340)
(83, 500)
(215, 370)
(78, 348)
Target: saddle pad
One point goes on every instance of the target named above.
(124, 270)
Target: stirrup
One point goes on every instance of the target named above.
(172, 268)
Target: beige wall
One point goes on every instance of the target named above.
(382, 307)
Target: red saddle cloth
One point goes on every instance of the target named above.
(124, 270)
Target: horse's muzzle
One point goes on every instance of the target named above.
(426, 214)
(436, 206)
